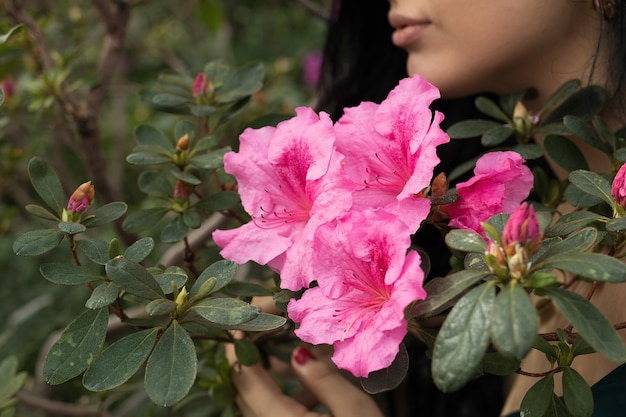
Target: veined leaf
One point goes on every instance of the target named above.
(37, 242)
(47, 184)
(133, 278)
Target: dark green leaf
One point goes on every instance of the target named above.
(497, 364)
(576, 394)
(175, 230)
(204, 144)
(77, 346)
(202, 111)
(594, 266)
(143, 220)
(106, 214)
(154, 182)
(551, 351)
(538, 398)
(171, 274)
(103, 295)
(246, 352)
(243, 82)
(465, 241)
(514, 321)
(620, 155)
(118, 362)
(224, 200)
(565, 153)
(463, 339)
(226, 311)
(541, 280)
(96, 250)
(585, 103)
(186, 177)
(388, 378)
(133, 278)
(68, 274)
(139, 250)
(223, 270)
(470, 128)
(556, 128)
(509, 101)
(578, 198)
(192, 219)
(169, 100)
(171, 368)
(147, 158)
(616, 225)
(246, 289)
(577, 242)
(590, 323)
(212, 160)
(261, 323)
(581, 347)
(572, 222)
(47, 184)
(442, 290)
(160, 307)
(561, 94)
(147, 97)
(557, 408)
(37, 242)
(41, 212)
(10, 381)
(583, 130)
(593, 184)
(71, 228)
(148, 135)
(488, 107)
(496, 135)
(528, 150)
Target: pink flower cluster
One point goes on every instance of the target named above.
(333, 207)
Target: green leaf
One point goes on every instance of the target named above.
(118, 362)
(171, 368)
(10, 380)
(538, 398)
(557, 408)
(463, 339)
(160, 307)
(577, 395)
(471, 128)
(528, 150)
(497, 364)
(565, 153)
(246, 352)
(514, 321)
(37, 242)
(583, 130)
(442, 290)
(616, 225)
(175, 230)
(154, 182)
(561, 94)
(68, 274)
(212, 160)
(243, 82)
(192, 219)
(261, 323)
(106, 214)
(572, 222)
(133, 278)
(202, 111)
(590, 323)
(103, 295)
(143, 220)
(47, 184)
(41, 212)
(578, 198)
(223, 270)
(186, 177)
(465, 241)
(139, 250)
(246, 289)
(147, 158)
(496, 135)
(184, 127)
(594, 266)
(77, 346)
(390, 377)
(71, 228)
(169, 100)
(593, 184)
(171, 274)
(584, 104)
(226, 311)
(542, 345)
(5, 36)
(491, 109)
(224, 200)
(578, 242)
(96, 250)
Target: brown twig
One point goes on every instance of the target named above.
(537, 374)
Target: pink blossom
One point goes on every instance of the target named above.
(290, 181)
(618, 189)
(522, 227)
(501, 182)
(390, 149)
(81, 198)
(366, 281)
(201, 85)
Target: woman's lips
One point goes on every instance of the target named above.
(407, 30)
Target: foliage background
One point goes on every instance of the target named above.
(161, 36)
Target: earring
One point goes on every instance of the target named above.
(608, 8)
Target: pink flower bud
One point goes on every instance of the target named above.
(522, 228)
(81, 198)
(618, 189)
(182, 190)
(201, 85)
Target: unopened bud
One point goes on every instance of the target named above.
(183, 143)
(523, 122)
(522, 228)
(202, 86)
(81, 198)
(618, 190)
(182, 190)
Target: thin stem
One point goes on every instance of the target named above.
(537, 374)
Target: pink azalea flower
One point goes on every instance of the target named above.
(501, 182)
(618, 188)
(366, 281)
(290, 181)
(522, 228)
(390, 149)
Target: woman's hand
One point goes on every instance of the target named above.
(259, 396)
